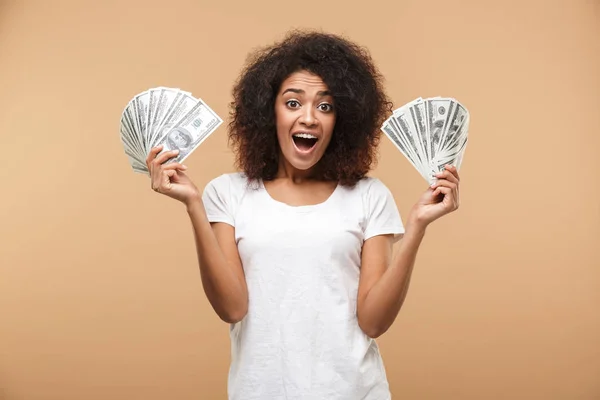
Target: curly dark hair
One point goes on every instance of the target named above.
(356, 86)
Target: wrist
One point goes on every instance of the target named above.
(194, 204)
(415, 224)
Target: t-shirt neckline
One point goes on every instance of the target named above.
(302, 208)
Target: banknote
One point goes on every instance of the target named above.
(164, 116)
(398, 140)
(190, 131)
(430, 132)
(409, 133)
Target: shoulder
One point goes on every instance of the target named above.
(372, 193)
(372, 184)
(229, 187)
(228, 179)
(223, 194)
(231, 183)
(371, 188)
(380, 209)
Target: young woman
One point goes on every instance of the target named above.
(295, 250)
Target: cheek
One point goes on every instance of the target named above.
(282, 129)
(284, 120)
(328, 125)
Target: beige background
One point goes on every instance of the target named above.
(100, 296)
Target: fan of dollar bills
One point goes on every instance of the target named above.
(430, 133)
(165, 116)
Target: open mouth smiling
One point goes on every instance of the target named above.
(304, 141)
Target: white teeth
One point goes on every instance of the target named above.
(305, 135)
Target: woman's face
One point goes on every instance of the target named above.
(305, 119)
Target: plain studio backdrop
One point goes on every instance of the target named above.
(100, 295)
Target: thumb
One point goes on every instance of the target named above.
(167, 175)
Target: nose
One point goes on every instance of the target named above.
(308, 117)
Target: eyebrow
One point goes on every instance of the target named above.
(300, 91)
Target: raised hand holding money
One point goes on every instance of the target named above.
(166, 117)
(432, 134)
(441, 198)
(170, 178)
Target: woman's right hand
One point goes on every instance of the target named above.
(170, 179)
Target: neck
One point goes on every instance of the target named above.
(288, 172)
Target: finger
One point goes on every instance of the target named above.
(453, 170)
(442, 191)
(448, 196)
(167, 175)
(447, 175)
(445, 183)
(164, 156)
(174, 165)
(163, 184)
(152, 154)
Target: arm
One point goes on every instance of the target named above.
(382, 289)
(220, 266)
(384, 282)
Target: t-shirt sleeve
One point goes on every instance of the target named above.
(382, 215)
(217, 199)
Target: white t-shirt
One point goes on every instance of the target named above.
(300, 338)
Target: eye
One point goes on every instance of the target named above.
(325, 107)
(292, 103)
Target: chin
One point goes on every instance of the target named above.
(302, 165)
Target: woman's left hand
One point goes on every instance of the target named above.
(439, 199)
